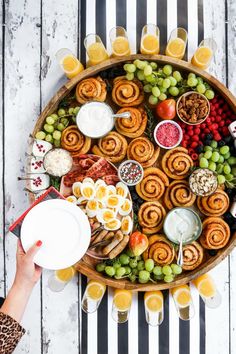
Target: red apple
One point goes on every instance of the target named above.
(138, 243)
(166, 109)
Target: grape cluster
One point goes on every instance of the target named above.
(217, 157)
(136, 269)
(164, 82)
(55, 124)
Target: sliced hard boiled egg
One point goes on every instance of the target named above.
(112, 225)
(100, 182)
(122, 189)
(111, 190)
(76, 189)
(106, 215)
(126, 207)
(126, 225)
(88, 180)
(114, 201)
(72, 199)
(87, 190)
(92, 208)
(101, 193)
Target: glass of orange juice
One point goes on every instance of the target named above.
(177, 43)
(95, 49)
(93, 296)
(119, 42)
(60, 278)
(207, 290)
(121, 305)
(154, 307)
(204, 53)
(150, 39)
(69, 63)
(183, 302)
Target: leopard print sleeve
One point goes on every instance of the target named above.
(10, 334)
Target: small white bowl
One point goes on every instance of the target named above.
(136, 163)
(177, 126)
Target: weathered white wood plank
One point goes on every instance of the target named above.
(21, 83)
(60, 310)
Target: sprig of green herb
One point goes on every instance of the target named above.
(150, 124)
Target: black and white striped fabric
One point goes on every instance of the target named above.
(99, 334)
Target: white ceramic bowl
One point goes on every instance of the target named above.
(176, 125)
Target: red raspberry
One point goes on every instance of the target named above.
(191, 151)
(217, 137)
(213, 119)
(218, 118)
(194, 156)
(191, 133)
(207, 131)
(228, 122)
(194, 144)
(208, 120)
(213, 113)
(225, 131)
(214, 126)
(197, 131)
(184, 144)
(186, 137)
(203, 125)
(195, 138)
(202, 135)
(220, 111)
(222, 123)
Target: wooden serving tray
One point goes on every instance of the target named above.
(86, 265)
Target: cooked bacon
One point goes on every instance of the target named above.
(111, 179)
(100, 168)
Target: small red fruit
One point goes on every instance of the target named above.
(166, 109)
(138, 243)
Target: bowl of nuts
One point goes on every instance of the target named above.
(192, 108)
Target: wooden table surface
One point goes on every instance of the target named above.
(32, 32)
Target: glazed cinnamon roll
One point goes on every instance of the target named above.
(151, 217)
(160, 250)
(135, 125)
(176, 163)
(74, 141)
(126, 93)
(113, 147)
(215, 233)
(192, 255)
(179, 194)
(91, 89)
(153, 184)
(215, 204)
(142, 150)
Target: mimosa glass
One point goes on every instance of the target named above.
(204, 53)
(208, 291)
(121, 305)
(183, 302)
(150, 40)
(119, 42)
(93, 295)
(60, 278)
(154, 307)
(95, 49)
(69, 63)
(177, 43)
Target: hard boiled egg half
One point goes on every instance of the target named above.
(126, 225)
(126, 207)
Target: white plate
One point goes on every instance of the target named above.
(64, 230)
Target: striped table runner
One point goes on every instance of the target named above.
(99, 334)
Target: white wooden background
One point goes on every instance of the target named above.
(32, 31)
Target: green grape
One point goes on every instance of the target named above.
(158, 277)
(135, 271)
(229, 177)
(192, 82)
(234, 171)
(61, 112)
(176, 269)
(147, 70)
(227, 156)
(201, 88)
(157, 270)
(131, 68)
(221, 179)
(224, 150)
(65, 121)
(201, 155)
(141, 265)
(209, 94)
(127, 270)
(110, 271)
(48, 128)
(49, 138)
(116, 265)
(214, 144)
(71, 110)
(147, 88)
(141, 65)
(207, 148)
(191, 75)
(208, 154)
(100, 267)
(140, 75)
(129, 76)
(149, 265)
(203, 163)
(138, 258)
(166, 83)
(166, 270)
(215, 156)
(76, 110)
(221, 159)
(124, 259)
(160, 81)
(177, 76)
(231, 160)
(155, 91)
(173, 81)
(168, 278)
(174, 91)
(150, 78)
(57, 143)
(227, 169)
(129, 252)
(56, 135)
(60, 127)
(163, 89)
(153, 65)
(125, 67)
(135, 62)
(152, 100)
(133, 263)
(162, 97)
(50, 120)
(219, 168)
(132, 278)
(153, 82)
(40, 135)
(54, 116)
(144, 276)
(212, 166)
(120, 272)
(167, 70)
(199, 80)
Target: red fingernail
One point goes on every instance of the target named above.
(39, 243)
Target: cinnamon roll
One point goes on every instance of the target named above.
(74, 141)
(142, 150)
(215, 233)
(176, 163)
(91, 89)
(192, 255)
(113, 147)
(215, 204)
(126, 93)
(151, 217)
(179, 194)
(153, 184)
(135, 125)
(160, 250)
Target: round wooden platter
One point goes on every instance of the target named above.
(86, 265)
